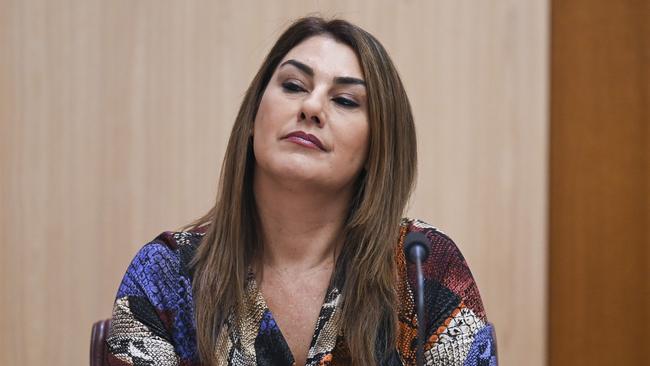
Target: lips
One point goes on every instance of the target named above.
(305, 139)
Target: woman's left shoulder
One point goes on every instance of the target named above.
(445, 266)
(458, 332)
(438, 239)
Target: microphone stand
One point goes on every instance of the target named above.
(416, 251)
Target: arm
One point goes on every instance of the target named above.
(141, 331)
(458, 332)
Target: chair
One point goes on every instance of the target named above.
(98, 343)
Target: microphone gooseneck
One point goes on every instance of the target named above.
(416, 251)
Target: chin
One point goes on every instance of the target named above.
(297, 171)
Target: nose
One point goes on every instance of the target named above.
(314, 118)
(312, 109)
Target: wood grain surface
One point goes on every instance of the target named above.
(599, 298)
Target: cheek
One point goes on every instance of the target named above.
(356, 144)
(271, 116)
(272, 112)
(262, 114)
(260, 128)
(263, 126)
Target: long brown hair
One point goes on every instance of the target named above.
(367, 260)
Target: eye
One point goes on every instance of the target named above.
(345, 102)
(292, 87)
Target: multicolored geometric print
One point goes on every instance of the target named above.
(153, 316)
(457, 328)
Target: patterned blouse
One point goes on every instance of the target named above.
(153, 315)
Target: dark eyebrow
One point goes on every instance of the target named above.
(304, 68)
(348, 80)
(310, 72)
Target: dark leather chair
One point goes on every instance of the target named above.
(98, 343)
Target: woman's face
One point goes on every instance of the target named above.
(312, 122)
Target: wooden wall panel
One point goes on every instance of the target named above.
(114, 117)
(600, 187)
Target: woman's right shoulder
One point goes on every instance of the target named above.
(160, 261)
(153, 309)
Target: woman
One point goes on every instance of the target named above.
(300, 260)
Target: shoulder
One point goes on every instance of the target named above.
(445, 267)
(456, 324)
(438, 240)
(156, 265)
(153, 309)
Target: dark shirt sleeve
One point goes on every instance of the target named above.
(140, 332)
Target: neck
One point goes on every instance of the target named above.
(301, 228)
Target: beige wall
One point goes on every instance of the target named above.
(114, 117)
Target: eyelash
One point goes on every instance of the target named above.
(291, 87)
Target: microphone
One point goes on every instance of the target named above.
(416, 251)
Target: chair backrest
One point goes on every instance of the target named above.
(98, 343)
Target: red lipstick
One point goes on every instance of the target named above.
(305, 139)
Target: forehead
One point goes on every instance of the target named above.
(326, 56)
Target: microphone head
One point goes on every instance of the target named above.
(416, 247)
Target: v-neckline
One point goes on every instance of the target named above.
(328, 317)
